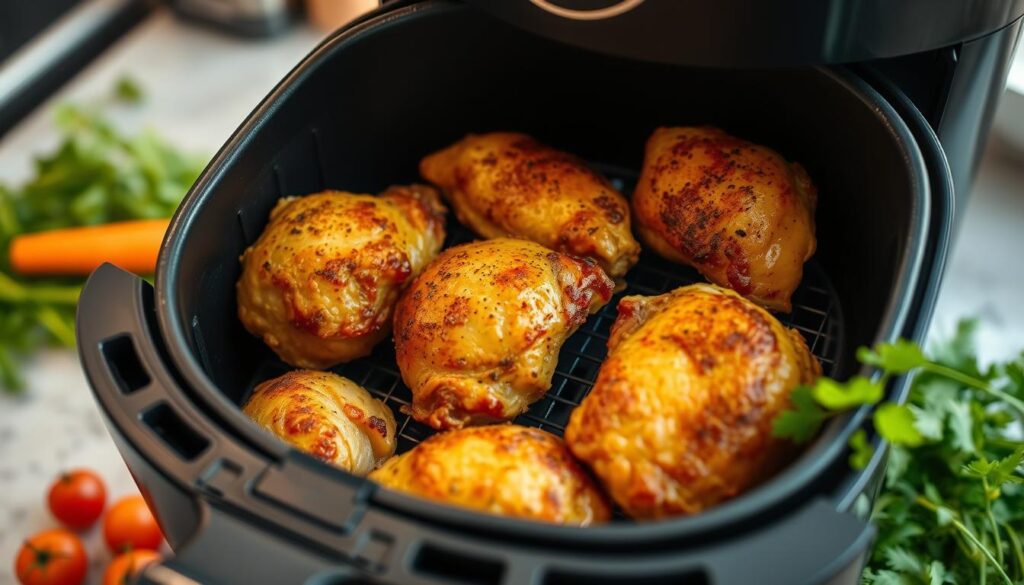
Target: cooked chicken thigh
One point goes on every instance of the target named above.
(680, 416)
(508, 184)
(330, 417)
(319, 284)
(477, 335)
(736, 211)
(506, 470)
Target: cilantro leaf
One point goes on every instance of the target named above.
(979, 468)
(857, 391)
(961, 425)
(1007, 466)
(999, 471)
(801, 422)
(883, 577)
(861, 450)
(928, 422)
(936, 573)
(951, 509)
(896, 358)
(900, 559)
(895, 422)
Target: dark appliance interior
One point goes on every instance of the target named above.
(170, 365)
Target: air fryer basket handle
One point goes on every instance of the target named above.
(185, 467)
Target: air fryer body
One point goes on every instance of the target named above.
(170, 364)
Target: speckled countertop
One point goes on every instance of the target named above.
(200, 87)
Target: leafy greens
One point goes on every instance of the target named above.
(951, 509)
(96, 175)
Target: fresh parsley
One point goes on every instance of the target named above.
(951, 509)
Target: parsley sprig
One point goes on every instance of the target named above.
(952, 506)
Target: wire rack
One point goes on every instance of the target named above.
(815, 314)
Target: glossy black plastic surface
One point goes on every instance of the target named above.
(321, 131)
(755, 33)
(357, 115)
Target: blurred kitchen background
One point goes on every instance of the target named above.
(202, 66)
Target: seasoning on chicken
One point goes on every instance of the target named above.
(477, 335)
(734, 210)
(508, 184)
(506, 470)
(680, 416)
(330, 417)
(319, 284)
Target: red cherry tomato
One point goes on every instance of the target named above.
(127, 566)
(77, 498)
(129, 525)
(51, 557)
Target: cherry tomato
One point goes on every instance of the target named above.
(126, 566)
(51, 557)
(129, 525)
(77, 498)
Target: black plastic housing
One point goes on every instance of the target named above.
(169, 369)
(745, 33)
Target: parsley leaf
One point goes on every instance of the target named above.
(895, 422)
(857, 391)
(902, 560)
(801, 422)
(896, 358)
(951, 509)
(861, 450)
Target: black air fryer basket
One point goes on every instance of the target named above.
(171, 364)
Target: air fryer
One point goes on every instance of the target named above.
(872, 103)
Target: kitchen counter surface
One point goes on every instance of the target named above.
(200, 85)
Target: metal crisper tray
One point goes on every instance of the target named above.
(816, 314)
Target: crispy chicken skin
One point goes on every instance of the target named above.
(477, 335)
(319, 284)
(735, 211)
(680, 416)
(506, 470)
(330, 417)
(508, 184)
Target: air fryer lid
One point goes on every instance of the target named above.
(170, 371)
(755, 33)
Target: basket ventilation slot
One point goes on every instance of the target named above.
(124, 364)
(174, 432)
(696, 577)
(458, 567)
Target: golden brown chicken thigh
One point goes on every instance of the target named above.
(506, 470)
(319, 284)
(735, 211)
(330, 417)
(680, 416)
(508, 184)
(477, 335)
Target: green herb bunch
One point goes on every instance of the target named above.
(951, 509)
(95, 176)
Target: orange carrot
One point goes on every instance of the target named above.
(132, 245)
